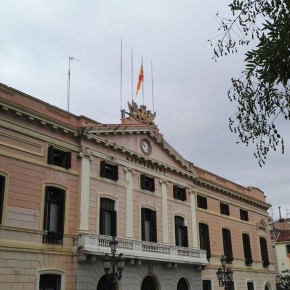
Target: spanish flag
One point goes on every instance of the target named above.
(141, 78)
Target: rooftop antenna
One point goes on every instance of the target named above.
(68, 81)
(280, 217)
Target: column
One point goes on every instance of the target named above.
(164, 211)
(129, 203)
(193, 218)
(85, 192)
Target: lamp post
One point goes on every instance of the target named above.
(117, 263)
(224, 275)
(283, 281)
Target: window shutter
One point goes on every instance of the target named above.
(2, 191)
(103, 168)
(247, 247)
(176, 233)
(153, 184)
(116, 173)
(154, 226)
(264, 252)
(114, 223)
(61, 210)
(50, 155)
(102, 221)
(142, 182)
(227, 243)
(143, 224)
(184, 236)
(68, 159)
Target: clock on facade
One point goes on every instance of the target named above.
(145, 146)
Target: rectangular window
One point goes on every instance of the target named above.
(108, 217)
(109, 171)
(247, 249)
(224, 209)
(264, 252)
(59, 157)
(206, 285)
(179, 193)
(204, 239)
(54, 215)
(287, 249)
(201, 202)
(181, 236)
(2, 192)
(148, 225)
(244, 215)
(50, 282)
(147, 183)
(227, 244)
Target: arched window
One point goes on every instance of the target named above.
(149, 283)
(182, 284)
(106, 284)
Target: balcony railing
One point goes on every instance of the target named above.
(141, 250)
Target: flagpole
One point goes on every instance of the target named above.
(121, 74)
(152, 86)
(132, 72)
(68, 82)
(143, 82)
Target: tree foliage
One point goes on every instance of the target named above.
(262, 90)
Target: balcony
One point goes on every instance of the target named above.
(139, 250)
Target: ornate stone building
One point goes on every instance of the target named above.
(68, 184)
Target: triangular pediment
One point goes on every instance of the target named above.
(262, 224)
(133, 140)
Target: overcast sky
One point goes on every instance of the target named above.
(190, 99)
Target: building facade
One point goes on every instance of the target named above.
(68, 184)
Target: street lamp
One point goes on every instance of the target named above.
(117, 264)
(283, 281)
(224, 275)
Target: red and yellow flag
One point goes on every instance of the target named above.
(141, 78)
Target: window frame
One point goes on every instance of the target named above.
(52, 236)
(109, 171)
(148, 214)
(224, 209)
(65, 157)
(227, 245)
(179, 193)
(107, 206)
(147, 183)
(50, 272)
(244, 215)
(247, 249)
(204, 238)
(180, 229)
(201, 201)
(2, 196)
(264, 252)
(287, 249)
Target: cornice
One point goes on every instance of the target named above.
(233, 194)
(40, 119)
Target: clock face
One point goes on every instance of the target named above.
(145, 146)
